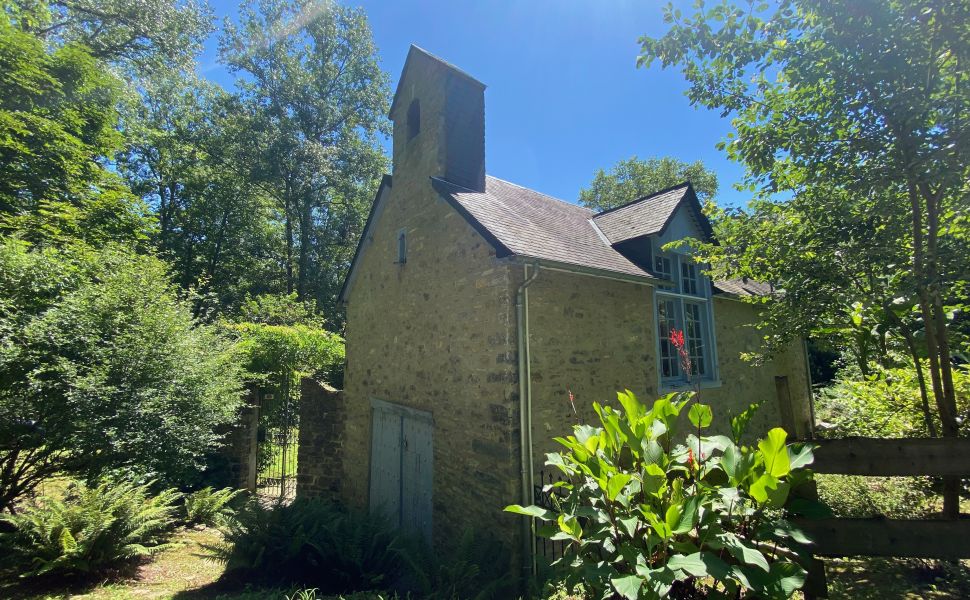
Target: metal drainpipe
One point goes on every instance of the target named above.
(525, 411)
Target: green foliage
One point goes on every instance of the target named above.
(314, 543)
(92, 529)
(209, 506)
(865, 497)
(103, 367)
(316, 99)
(645, 518)
(854, 113)
(885, 403)
(57, 118)
(630, 179)
(141, 35)
(277, 351)
(474, 568)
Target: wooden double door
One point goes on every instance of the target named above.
(402, 466)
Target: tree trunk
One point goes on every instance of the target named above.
(303, 266)
(288, 232)
(926, 276)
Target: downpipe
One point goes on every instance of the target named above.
(525, 413)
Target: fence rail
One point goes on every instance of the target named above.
(875, 457)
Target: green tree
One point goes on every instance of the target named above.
(630, 179)
(57, 122)
(216, 223)
(863, 102)
(139, 35)
(317, 97)
(103, 367)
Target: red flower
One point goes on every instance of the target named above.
(690, 459)
(677, 338)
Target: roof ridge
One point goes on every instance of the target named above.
(643, 198)
(522, 187)
(448, 64)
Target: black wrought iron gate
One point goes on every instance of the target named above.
(277, 446)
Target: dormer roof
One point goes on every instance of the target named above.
(651, 214)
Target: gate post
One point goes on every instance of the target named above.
(319, 470)
(252, 434)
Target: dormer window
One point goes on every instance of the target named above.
(685, 306)
(661, 266)
(414, 119)
(688, 276)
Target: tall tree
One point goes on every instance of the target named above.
(140, 35)
(867, 100)
(217, 224)
(634, 178)
(309, 75)
(57, 122)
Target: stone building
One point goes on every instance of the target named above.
(475, 305)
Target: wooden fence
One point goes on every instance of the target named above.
(923, 538)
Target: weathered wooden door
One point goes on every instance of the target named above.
(401, 479)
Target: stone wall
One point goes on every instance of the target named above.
(320, 472)
(595, 336)
(240, 448)
(437, 334)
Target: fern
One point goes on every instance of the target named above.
(91, 529)
(210, 507)
(474, 569)
(311, 542)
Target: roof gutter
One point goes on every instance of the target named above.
(525, 414)
(562, 267)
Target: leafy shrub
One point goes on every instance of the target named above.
(104, 367)
(477, 568)
(884, 404)
(645, 518)
(91, 529)
(209, 506)
(314, 543)
(861, 497)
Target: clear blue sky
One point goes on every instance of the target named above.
(564, 95)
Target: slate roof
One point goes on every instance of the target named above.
(648, 215)
(533, 225)
(521, 222)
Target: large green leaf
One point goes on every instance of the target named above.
(532, 511)
(800, 455)
(615, 485)
(628, 587)
(761, 487)
(744, 553)
(631, 406)
(775, 453)
(684, 517)
(700, 415)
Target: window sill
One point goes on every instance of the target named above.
(666, 388)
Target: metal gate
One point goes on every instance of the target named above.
(278, 441)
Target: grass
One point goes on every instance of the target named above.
(184, 572)
(894, 578)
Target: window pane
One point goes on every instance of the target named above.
(688, 275)
(666, 322)
(694, 337)
(661, 265)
